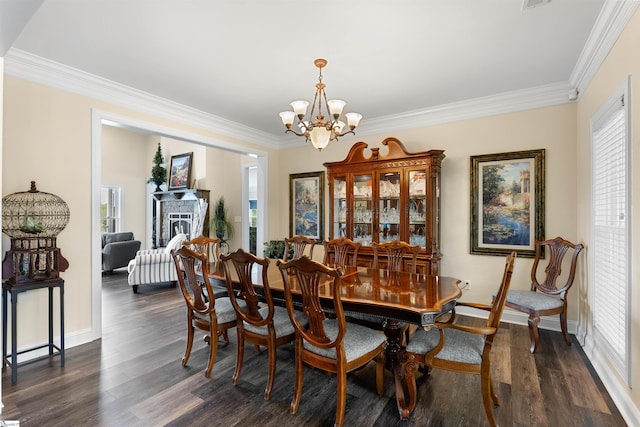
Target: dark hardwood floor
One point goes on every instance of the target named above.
(133, 377)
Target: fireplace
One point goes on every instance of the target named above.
(179, 222)
(179, 211)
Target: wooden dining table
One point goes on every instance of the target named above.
(393, 298)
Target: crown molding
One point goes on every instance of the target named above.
(612, 20)
(31, 67)
(610, 23)
(509, 102)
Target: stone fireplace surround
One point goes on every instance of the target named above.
(181, 204)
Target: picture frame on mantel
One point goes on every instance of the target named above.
(306, 205)
(180, 171)
(507, 202)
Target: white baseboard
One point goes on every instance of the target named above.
(551, 323)
(618, 390)
(70, 340)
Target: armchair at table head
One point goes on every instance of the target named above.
(154, 266)
(545, 298)
(299, 245)
(326, 341)
(341, 252)
(213, 315)
(267, 325)
(395, 251)
(205, 245)
(460, 348)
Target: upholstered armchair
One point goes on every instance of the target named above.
(153, 266)
(117, 250)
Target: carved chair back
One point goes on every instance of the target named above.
(341, 252)
(557, 248)
(299, 245)
(395, 251)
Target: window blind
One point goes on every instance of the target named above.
(610, 231)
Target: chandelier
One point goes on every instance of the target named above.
(320, 131)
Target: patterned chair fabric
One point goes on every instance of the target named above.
(152, 266)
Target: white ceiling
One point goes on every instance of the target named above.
(245, 60)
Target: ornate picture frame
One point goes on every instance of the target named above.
(306, 205)
(507, 202)
(180, 171)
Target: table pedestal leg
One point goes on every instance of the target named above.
(395, 361)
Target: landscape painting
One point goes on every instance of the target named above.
(507, 202)
(306, 192)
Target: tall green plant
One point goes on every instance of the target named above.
(158, 172)
(221, 223)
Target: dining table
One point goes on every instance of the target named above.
(393, 298)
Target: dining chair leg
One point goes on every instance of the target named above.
(563, 325)
(380, 375)
(239, 357)
(410, 370)
(485, 384)
(533, 332)
(187, 351)
(341, 395)
(297, 388)
(272, 369)
(213, 350)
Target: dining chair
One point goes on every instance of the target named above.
(210, 247)
(299, 245)
(266, 325)
(395, 251)
(460, 348)
(214, 315)
(329, 344)
(205, 245)
(341, 252)
(545, 298)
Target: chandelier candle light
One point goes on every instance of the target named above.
(319, 131)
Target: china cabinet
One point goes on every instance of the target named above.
(377, 198)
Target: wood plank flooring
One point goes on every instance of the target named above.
(133, 377)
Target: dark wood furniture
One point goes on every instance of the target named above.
(461, 348)
(545, 298)
(394, 253)
(212, 315)
(378, 198)
(15, 289)
(299, 245)
(267, 325)
(341, 252)
(324, 341)
(392, 297)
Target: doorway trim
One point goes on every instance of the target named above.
(100, 118)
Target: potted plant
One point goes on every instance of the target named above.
(274, 249)
(158, 172)
(221, 223)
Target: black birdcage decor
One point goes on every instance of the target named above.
(33, 219)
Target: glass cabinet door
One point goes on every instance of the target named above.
(339, 207)
(362, 209)
(389, 212)
(417, 207)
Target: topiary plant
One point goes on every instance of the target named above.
(158, 172)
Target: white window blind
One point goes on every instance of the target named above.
(610, 232)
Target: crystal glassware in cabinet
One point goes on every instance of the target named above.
(339, 206)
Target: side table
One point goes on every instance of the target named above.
(15, 289)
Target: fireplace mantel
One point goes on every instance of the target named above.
(188, 193)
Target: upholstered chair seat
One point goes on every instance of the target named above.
(459, 346)
(358, 341)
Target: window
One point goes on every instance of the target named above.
(110, 209)
(610, 227)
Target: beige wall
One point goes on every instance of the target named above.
(623, 60)
(47, 138)
(550, 128)
(124, 164)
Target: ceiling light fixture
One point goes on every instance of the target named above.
(319, 131)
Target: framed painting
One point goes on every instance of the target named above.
(507, 202)
(180, 171)
(306, 206)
